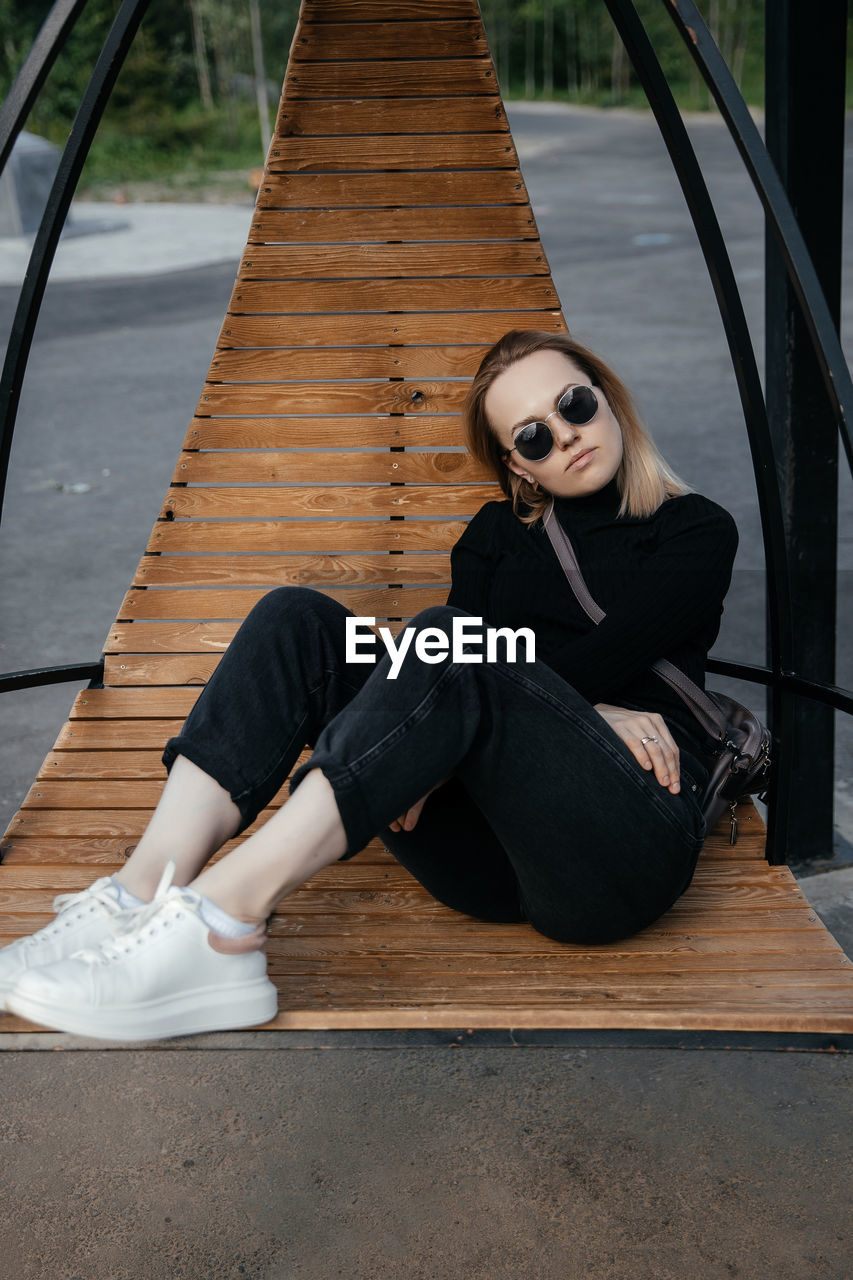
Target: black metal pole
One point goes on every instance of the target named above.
(804, 109)
(85, 124)
(29, 80)
(713, 246)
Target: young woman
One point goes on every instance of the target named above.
(564, 791)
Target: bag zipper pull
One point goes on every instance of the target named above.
(733, 820)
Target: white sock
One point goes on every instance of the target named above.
(221, 922)
(126, 899)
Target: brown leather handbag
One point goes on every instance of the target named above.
(740, 765)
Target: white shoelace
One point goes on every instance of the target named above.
(65, 918)
(138, 922)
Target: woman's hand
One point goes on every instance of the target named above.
(407, 820)
(648, 739)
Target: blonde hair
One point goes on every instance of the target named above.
(644, 479)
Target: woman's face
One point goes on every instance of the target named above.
(583, 458)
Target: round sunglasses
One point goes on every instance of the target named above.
(535, 440)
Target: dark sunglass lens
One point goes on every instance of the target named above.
(578, 405)
(534, 442)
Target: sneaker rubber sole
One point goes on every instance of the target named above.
(227, 1008)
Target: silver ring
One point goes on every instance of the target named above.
(649, 740)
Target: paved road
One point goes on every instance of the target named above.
(193, 1162)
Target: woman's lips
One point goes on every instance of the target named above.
(581, 461)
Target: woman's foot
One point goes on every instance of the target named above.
(167, 974)
(83, 920)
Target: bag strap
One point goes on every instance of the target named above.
(704, 708)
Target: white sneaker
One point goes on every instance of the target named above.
(165, 974)
(83, 920)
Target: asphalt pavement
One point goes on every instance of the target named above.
(238, 1159)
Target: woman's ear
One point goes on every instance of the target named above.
(517, 468)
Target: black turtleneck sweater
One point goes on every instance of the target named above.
(660, 580)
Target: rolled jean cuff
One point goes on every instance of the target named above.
(210, 764)
(359, 827)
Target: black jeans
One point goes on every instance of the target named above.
(546, 815)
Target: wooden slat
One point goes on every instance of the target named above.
(328, 11)
(357, 330)
(369, 500)
(292, 431)
(128, 704)
(390, 115)
(416, 226)
(482, 293)
(276, 364)
(407, 151)
(427, 395)
(292, 570)
(273, 467)
(410, 78)
(346, 261)
(209, 603)
(355, 190)
(391, 39)
(302, 535)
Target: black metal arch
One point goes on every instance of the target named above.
(780, 676)
(23, 92)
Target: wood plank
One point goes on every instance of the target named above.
(358, 431)
(372, 261)
(376, 78)
(422, 395)
(390, 115)
(121, 734)
(481, 293)
(328, 11)
(382, 602)
(223, 466)
(391, 38)
(295, 570)
(327, 535)
(99, 765)
(291, 1017)
(355, 190)
(274, 364)
(374, 500)
(127, 704)
(478, 223)
(171, 638)
(425, 327)
(370, 153)
(719, 906)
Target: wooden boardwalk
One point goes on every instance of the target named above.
(393, 242)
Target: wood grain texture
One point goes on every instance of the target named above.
(319, 432)
(326, 535)
(368, 78)
(477, 293)
(393, 39)
(328, 11)
(347, 500)
(406, 226)
(328, 363)
(359, 153)
(379, 261)
(423, 395)
(378, 116)
(432, 327)
(292, 570)
(353, 190)
(222, 466)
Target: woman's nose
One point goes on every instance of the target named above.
(564, 433)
